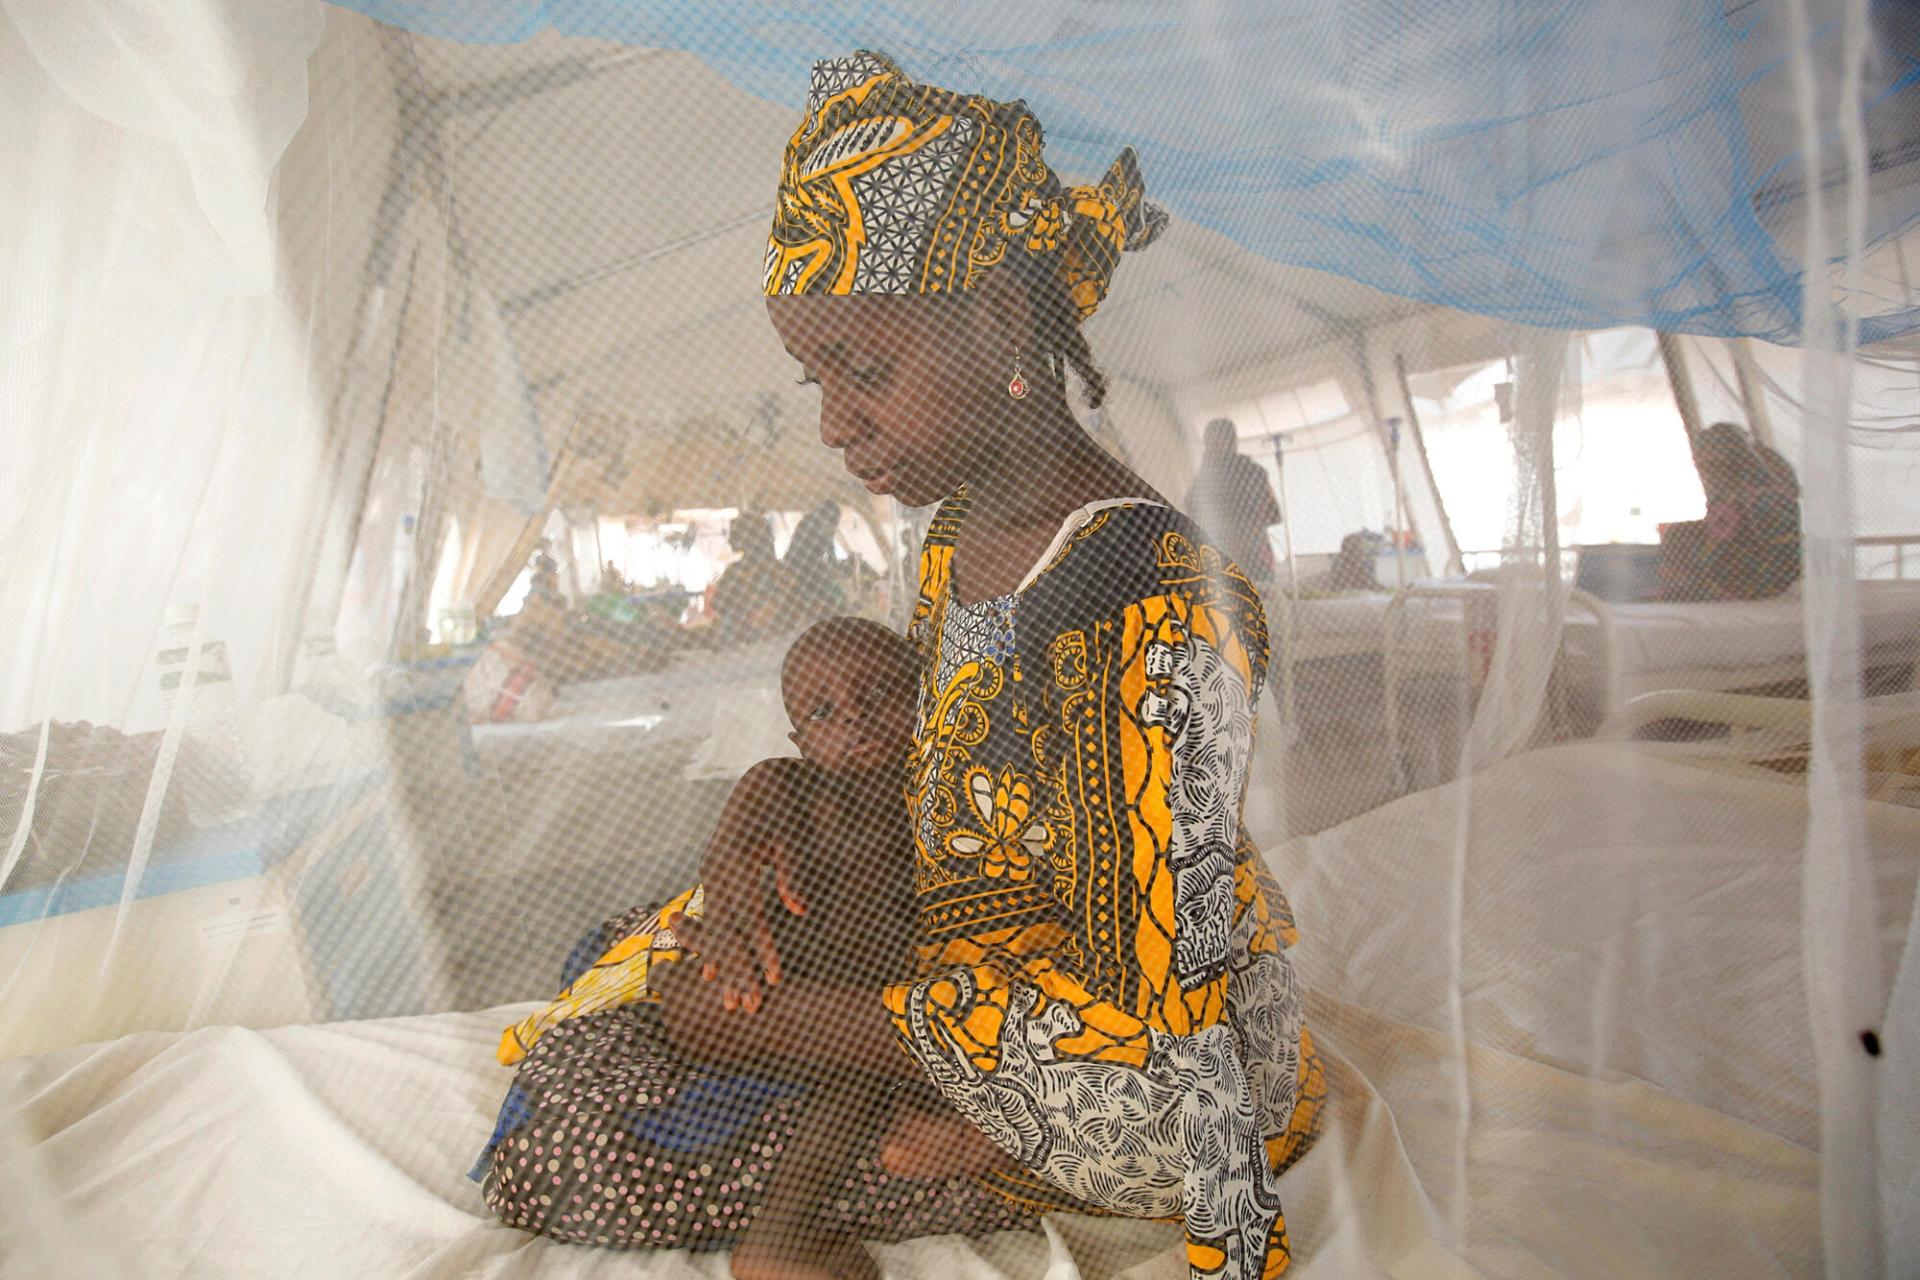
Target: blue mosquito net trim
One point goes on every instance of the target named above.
(1572, 165)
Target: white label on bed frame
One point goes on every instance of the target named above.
(250, 921)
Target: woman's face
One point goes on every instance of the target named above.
(907, 386)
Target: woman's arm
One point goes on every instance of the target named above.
(1213, 688)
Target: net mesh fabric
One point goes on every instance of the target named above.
(411, 509)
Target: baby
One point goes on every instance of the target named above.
(841, 914)
(836, 813)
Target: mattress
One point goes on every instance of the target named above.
(1622, 914)
(1633, 1095)
(339, 1151)
(1653, 637)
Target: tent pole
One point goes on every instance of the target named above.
(1751, 395)
(497, 586)
(1286, 521)
(1388, 431)
(1284, 689)
(1455, 563)
(365, 489)
(1680, 381)
(1399, 503)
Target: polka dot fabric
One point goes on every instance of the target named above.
(581, 1169)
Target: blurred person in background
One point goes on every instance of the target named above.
(1233, 500)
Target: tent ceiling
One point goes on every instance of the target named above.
(615, 200)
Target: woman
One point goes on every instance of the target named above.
(1101, 991)
(1748, 545)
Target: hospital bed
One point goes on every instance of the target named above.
(1742, 732)
(466, 860)
(1754, 644)
(605, 803)
(712, 709)
(1632, 1086)
(1411, 665)
(1442, 635)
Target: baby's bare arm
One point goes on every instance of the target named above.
(764, 808)
(760, 825)
(856, 870)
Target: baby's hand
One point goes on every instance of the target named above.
(740, 964)
(731, 937)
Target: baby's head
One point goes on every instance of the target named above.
(849, 687)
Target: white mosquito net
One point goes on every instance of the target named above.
(409, 510)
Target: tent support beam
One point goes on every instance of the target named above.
(1752, 398)
(504, 91)
(1455, 563)
(488, 598)
(521, 303)
(1680, 382)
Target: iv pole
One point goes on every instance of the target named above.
(1285, 695)
(1286, 521)
(1399, 505)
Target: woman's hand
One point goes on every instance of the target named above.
(732, 937)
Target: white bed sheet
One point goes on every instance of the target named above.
(340, 1151)
(1624, 914)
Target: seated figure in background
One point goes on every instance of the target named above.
(753, 598)
(1351, 570)
(612, 581)
(512, 680)
(819, 584)
(1748, 545)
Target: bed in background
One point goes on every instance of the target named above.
(1431, 644)
(1735, 645)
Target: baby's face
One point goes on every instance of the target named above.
(851, 709)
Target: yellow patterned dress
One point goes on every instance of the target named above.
(1103, 986)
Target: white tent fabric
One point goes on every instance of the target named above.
(317, 325)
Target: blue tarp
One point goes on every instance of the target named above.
(1567, 164)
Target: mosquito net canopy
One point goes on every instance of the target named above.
(1345, 685)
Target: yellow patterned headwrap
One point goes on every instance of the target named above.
(895, 187)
